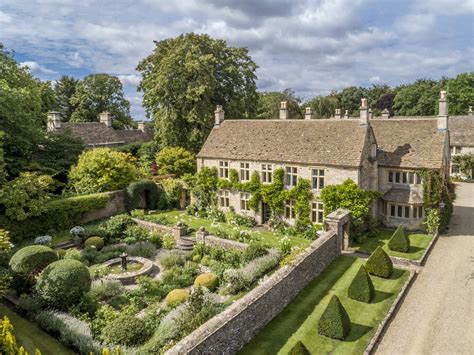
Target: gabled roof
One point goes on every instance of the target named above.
(314, 142)
(461, 131)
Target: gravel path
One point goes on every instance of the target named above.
(437, 315)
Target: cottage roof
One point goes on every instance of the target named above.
(322, 141)
(461, 131)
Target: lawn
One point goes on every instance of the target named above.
(30, 336)
(418, 244)
(64, 235)
(268, 237)
(299, 320)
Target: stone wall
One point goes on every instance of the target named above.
(220, 242)
(229, 331)
(116, 204)
(176, 231)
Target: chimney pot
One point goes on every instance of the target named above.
(283, 110)
(54, 121)
(338, 113)
(443, 111)
(371, 114)
(106, 118)
(364, 113)
(346, 114)
(385, 113)
(471, 111)
(141, 126)
(218, 115)
(308, 113)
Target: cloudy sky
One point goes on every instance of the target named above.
(310, 46)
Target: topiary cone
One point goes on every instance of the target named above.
(399, 241)
(335, 322)
(379, 264)
(299, 349)
(361, 287)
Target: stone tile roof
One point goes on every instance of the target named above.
(96, 133)
(409, 143)
(322, 141)
(406, 196)
(461, 131)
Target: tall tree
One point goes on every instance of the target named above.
(97, 93)
(461, 93)
(3, 172)
(183, 80)
(419, 98)
(269, 104)
(349, 99)
(324, 106)
(64, 90)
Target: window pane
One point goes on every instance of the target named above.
(405, 178)
(321, 182)
(415, 212)
(407, 212)
(400, 211)
(390, 176)
(392, 210)
(397, 177)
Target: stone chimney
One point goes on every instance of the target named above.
(141, 126)
(106, 118)
(338, 115)
(364, 113)
(218, 116)
(54, 121)
(371, 114)
(385, 113)
(443, 112)
(308, 113)
(346, 114)
(283, 110)
(471, 112)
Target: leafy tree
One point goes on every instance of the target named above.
(269, 104)
(3, 172)
(349, 99)
(324, 106)
(64, 90)
(97, 93)
(102, 169)
(203, 186)
(5, 247)
(186, 77)
(465, 163)
(461, 93)
(176, 161)
(419, 98)
(48, 100)
(378, 97)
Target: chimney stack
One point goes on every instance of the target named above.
(283, 110)
(364, 113)
(141, 126)
(308, 113)
(338, 114)
(106, 118)
(443, 112)
(54, 121)
(346, 114)
(471, 112)
(385, 113)
(218, 116)
(371, 114)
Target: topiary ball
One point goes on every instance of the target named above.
(63, 283)
(335, 322)
(94, 242)
(379, 264)
(361, 287)
(399, 241)
(299, 349)
(125, 330)
(176, 297)
(61, 253)
(208, 280)
(32, 259)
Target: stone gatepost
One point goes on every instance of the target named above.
(339, 220)
(179, 230)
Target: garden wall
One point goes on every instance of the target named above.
(229, 331)
(117, 204)
(220, 242)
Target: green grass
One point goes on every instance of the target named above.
(299, 320)
(30, 336)
(64, 235)
(268, 237)
(418, 244)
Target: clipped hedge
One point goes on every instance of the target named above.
(136, 189)
(32, 259)
(176, 297)
(379, 264)
(361, 287)
(335, 322)
(125, 330)
(208, 280)
(399, 241)
(299, 349)
(94, 242)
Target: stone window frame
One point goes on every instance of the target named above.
(455, 169)
(291, 176)
(317, 179)
(224, 169)
(244, 201)
(397, 210)
(418, 212)
(290, 210)
(224, 198)
(456, 149)
(403, 177)
(266, 173)
(317, 211)
(244, 171)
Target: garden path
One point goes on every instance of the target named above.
(436, 316)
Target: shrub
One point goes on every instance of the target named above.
(254, 250)
(156, 239)
(208, 280)
(179, 276)
(103, 316)
(238, 220)
(399, 241)
(173, 192)
(43, 240)
(176, 297)
(105, 289)
(98, 271)
(176, 161)
(215, 214)
(137, 189)
(335, 322)
(125, 330)
(299, 349)
(143, 249)
(91, 256)
(63, 283)
(361, 287)
(94, 242)
(171, 259)
(77, 233)
(32, 259)
(73, 254)
(116, 225)
(168, 241)
(61, 253)
(379, 264)
(135, 233)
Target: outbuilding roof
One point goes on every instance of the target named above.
(461, 131)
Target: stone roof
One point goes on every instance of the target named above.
(406, 196)
(96, 133)
(461, 131)
(322, 141)
(409, 143)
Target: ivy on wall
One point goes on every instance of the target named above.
(465, 163)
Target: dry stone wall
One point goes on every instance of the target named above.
(116, 204)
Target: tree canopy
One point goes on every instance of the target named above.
(269, 104)
(64, 90)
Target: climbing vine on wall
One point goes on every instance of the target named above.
(465, 163)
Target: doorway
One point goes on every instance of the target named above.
(265, 213)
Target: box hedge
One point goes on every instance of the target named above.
(299, 349)
(32, 259)
(335, 322)
(361, 287)
(125, 330)
(379, 264)
(94, 242)
(208, 280)
(176, 297)
(399, 241)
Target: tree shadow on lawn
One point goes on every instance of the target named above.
(357, 332)
(413, 250)
(381, 296)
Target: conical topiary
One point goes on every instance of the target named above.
(399, 241)
(299, 349)
(361, 288)
(335, 322)
(379, 264)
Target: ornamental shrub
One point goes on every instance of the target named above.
(156, 239)
(379, 264)
(125, 330)
(116, 225)
(43, 240)
(32, 259)
(143, 249)
(299, 349)
(208, 280)
(94, 242)
(168, 241)
(171, 259)
(361, 287)
(77, 232)
(145, 191)
(135, 233)
(63, 283)
(335, 322)
(399, 241)
(254, 250)
(176, 297)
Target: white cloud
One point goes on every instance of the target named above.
(131, 79)
(5, 18)
(375, 79)
(36, 68)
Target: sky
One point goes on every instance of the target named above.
(312, 47)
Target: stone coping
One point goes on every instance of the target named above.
(129, 277)
(222, 242)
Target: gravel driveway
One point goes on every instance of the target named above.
(437, 315)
